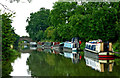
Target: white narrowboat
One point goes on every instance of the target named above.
(99, 47)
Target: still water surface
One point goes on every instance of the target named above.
(20, 68)
(47, 62)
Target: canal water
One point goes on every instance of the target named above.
(46, 62)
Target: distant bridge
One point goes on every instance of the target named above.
(25, 38)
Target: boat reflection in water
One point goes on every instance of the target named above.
(25, 46)
(97, 63)
(40, 49)
(56, 51)
(47, 50)
(33, 48)
(75, 57)
(44, 50)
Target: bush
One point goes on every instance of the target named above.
(82, 46)
(116, 46)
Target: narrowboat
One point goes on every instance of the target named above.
(57, 46)
(33, 44)
(72, 46)
(103, 49)
(40, 44)
(47, 45)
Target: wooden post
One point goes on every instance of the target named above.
(110, 46)
(102, 47)
(102, 67)
(110, 67)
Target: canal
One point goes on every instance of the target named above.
(47, 62)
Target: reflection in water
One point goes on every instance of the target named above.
(39, 49)
(19, 66)
(6, 65)
(33, 48)
(47, 50)
(94, 62)
(6, 68)
(75, 57)
(25, 46)
(47, 62)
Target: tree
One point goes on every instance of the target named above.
(59, 17)
(8, 35)
(38, 22)
(94, 21)
(49, 33)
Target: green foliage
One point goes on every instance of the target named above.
(61, 12)
(40, 35)
(92, 20)
(117, 62)
(37, 23)
(59, 18)
(82, 46)
(116, 46)
(8, 36)
(7, 30)
(6, 65)
(49, 33)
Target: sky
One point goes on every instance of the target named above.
(23, 10)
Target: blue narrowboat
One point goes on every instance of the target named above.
(72, 46)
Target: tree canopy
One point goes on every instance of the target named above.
(9, 37)
(91, 20)
(37, 23)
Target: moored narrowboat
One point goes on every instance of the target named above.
(73, 46)
(40, 45)
(48, 45)
(69, 47)
(57, 46)
(33, 44)
(103, 49)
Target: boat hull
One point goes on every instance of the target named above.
(66, 49)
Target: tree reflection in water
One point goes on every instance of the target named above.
(7, 67)
(51, 64)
